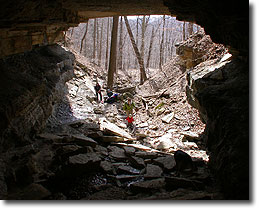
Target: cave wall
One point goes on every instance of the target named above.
(220, 91)
(218, 86)
(226, 104)
(30, 84)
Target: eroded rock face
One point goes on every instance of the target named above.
(30, 84)
(198, 48)
(226, 104)
(220, 90)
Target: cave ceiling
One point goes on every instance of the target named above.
(26, 23)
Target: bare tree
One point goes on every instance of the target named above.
(143, 76)
(162, 45)
(113, 52)
(153, 34)
(120, 44)
(100, 46)
(94, 39)
(144, 27)
(137, 38)
(107, 44)
(190, 28)
(183, 30)
(83, 38)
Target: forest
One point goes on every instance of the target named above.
(139, 42)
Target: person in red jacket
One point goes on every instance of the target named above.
(130, 122)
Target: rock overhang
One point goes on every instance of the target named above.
(25, 24)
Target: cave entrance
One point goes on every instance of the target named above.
(164, 119)
(139, 164)
(164, 122)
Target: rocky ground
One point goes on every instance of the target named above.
(87, 152)
(95, 156)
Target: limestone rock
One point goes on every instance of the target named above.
(98, 110)
(127, 170)
(50, 136)
(129, 150)
(81, 140)
(101, 150)
(142, 125)
(84, 159)
(146, 186)
(165, 142)
(137, 162)
(188, 135)
(112, 139)
(106, 166)
(124, 177)
(35, 88)
(111, 128)
(153, 171)
(167, 162)
(117, 153)
(146, 155)
(168, 117)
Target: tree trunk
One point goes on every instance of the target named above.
(94, 40)
(183, 30)
(113, 52)
(83, 38)
(150, 47)
(162, 45)
(107, 44)
(190, 29)
(100, 46)
(143, 76)
(137, 39)
(143, 37)
(120, 45)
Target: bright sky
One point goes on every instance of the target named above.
(152, 16)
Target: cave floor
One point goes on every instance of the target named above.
(94, 156)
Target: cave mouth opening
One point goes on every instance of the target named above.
(162, 35)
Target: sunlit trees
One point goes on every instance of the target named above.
(113, 52)
(150, 44)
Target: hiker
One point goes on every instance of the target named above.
(109, 93)
(98, 88)
(112, 97)
(129, 106)
(130, 122)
